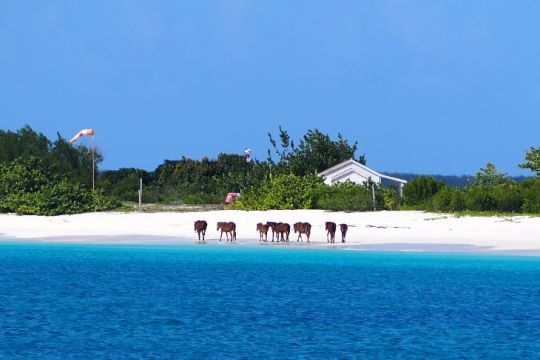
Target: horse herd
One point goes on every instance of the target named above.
(280, 231)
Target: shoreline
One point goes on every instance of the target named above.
(404, 231)
(155, 242)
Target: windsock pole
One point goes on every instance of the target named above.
(89, 132)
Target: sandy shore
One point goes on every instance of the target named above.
(385, 230)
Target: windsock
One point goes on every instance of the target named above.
(81, 133)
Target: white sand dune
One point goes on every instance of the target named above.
(370, 229)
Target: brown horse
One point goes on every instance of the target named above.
(227, 227)
(284, 230)
(302, 228)
(330, 231)
(343, 228)
(272, 225)
(263, 231)
(200, 227)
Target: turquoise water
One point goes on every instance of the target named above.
(103, 302)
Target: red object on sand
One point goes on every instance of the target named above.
(230, 197)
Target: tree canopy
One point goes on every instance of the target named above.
(489, 176)
(532, 161)
(315, 152)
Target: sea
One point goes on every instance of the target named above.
(60, 301)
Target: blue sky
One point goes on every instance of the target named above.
(423, 86)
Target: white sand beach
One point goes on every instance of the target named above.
(403, 230)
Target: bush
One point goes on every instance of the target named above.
(531, 196)
(57, 199)
(23, 175)
(421, 190)
(509, 197)
(448, 200)
(103, 202)
(388, 198)
(346, 197)
(282, 192)
(27, 186)
(481, 198)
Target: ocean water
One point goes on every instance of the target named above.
(222, 302)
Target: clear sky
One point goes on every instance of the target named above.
(423, 86)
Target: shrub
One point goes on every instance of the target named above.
(509, 197)
(480, 198)
(419, 191)
(346, 197)
(388, 198)
(103, 202)
(531, 196)
(448, 199)
(282, 192)
(57, 199)
(23, 175)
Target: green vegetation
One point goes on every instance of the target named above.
(40, 176)
(285, 191)
(316, 152)
(488, 191)
(532, 161)
(419, 191)
(346, 197)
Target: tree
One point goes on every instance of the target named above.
(316, 152)
(489, 176)
(73, 162)
(283, 151)
(532, 161)
(24, 142)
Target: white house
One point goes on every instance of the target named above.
(357, 173)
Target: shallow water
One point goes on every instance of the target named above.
(76, 301)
